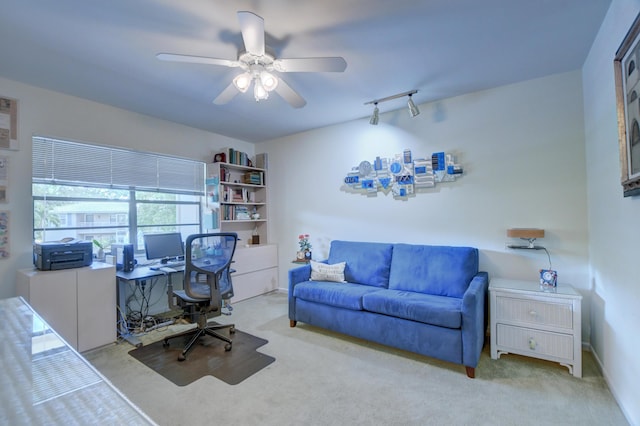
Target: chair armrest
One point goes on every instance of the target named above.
(474, 319)
(296, 276)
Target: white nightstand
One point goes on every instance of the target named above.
(528, 321)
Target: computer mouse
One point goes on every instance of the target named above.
(207, 262)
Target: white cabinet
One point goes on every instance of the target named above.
(542, 324)
(256, 271)
(79, 303)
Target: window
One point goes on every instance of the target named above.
(111, 195)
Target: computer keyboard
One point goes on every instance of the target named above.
(174, 264)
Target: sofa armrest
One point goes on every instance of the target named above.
(474, 319)
(296, 276)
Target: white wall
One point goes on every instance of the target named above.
(614, 229)
(47, 113)
(522, 149)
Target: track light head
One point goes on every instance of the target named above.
(375, 116)
(413, 109)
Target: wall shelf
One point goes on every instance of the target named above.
(518, 247)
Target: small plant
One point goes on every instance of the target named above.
(303, 242)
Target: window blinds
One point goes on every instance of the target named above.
(71, 163)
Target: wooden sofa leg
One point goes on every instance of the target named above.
(292, 323)
(471, 372)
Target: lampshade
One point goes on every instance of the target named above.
(259, 91)
(268, 80)
(529, 234)
(242, 82)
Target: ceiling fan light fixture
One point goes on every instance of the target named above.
(243, 81)
(375, 116)
(259, 92)
(268, 80)
(413, 109)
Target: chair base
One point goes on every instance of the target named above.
(198, 332)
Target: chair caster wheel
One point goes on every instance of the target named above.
(227, 347)
(232, 330)
(181, 357)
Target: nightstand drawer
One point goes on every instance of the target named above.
(534, 312)
(533, 342)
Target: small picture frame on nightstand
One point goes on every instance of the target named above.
(548, 279)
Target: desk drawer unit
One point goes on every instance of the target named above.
(528, 321)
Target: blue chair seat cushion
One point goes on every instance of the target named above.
(342, 295)
(431, 309)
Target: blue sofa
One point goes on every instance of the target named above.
(425, 299)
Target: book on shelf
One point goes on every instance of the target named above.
(253, 178)
(232, 156)
(262, 161)
(236, 195)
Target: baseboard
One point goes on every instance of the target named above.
(607, 380)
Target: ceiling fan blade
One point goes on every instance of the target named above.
(329, 64)
(172, 57)
(290, 95)
(252, 28)
(227, 94)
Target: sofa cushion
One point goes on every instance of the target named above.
(323, 272)
(426, 308)
(345, 295)
(438, 270)
(367, 263)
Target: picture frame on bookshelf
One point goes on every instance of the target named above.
(627, 86)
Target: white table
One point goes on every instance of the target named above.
(543, 324)
(45, 381)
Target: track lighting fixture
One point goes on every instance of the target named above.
(375, 116)
(413, 109)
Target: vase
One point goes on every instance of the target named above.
(300, 255)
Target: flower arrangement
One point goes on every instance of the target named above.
(303, 242)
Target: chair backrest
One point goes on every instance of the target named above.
(207, 271)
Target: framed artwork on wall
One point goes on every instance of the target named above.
(8, 123)
(4, 234)
(627, 81)
(4, 178)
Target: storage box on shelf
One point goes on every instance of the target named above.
(236, 201)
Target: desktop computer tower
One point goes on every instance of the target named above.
(124, 256)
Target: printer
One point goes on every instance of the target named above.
(63, 254)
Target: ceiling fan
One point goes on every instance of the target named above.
(258, 64)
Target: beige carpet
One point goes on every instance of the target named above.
(323, 378)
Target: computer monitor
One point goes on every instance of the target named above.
(166, 246)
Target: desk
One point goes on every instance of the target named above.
(48, 382)
(139, 276)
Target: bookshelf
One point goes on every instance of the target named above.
(235, 193)
(236, 200)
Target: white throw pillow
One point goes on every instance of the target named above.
(324, 272)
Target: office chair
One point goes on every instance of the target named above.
(207, 285)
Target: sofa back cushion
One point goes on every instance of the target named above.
(439, 270)
(366, 263)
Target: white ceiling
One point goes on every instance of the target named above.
(105, 51)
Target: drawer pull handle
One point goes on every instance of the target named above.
(533, 313)
(532, 344)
